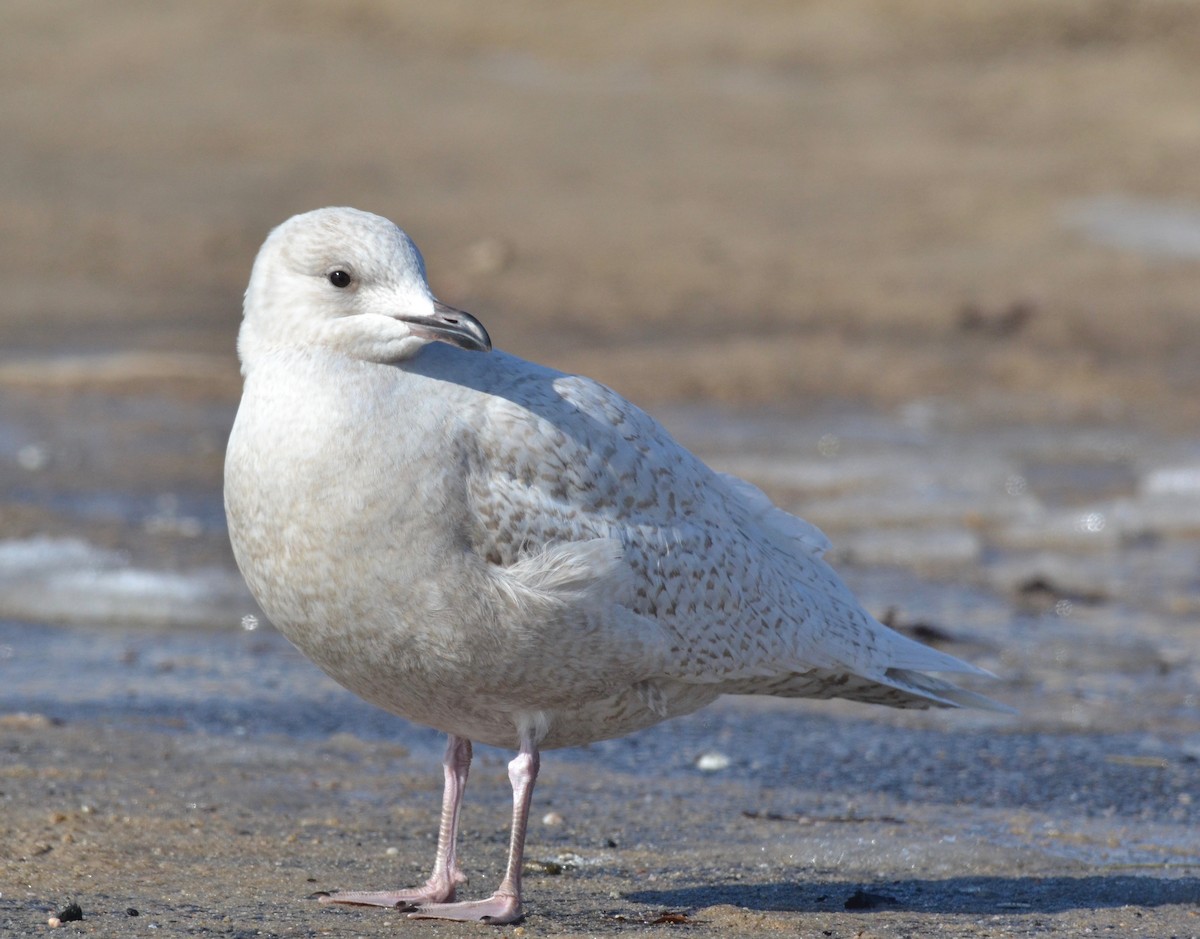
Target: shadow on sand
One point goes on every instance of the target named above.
(954, 895)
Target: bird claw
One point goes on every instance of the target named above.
(499, 909)
(403, 900)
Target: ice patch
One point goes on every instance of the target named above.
(27, 557)
(68, 580)
(1171, 480)
(1154, 229)
(915, 548)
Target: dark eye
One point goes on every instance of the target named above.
(339, 278)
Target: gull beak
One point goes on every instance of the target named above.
(453, 326)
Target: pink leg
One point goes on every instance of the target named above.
(446, 874)
(503, 906)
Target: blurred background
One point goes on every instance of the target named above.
(760, 202)
(928, 272)
(959, 214)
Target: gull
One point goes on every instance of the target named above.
(507, 553)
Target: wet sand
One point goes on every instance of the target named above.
(928, 277)
(214, 783)
(212, 779)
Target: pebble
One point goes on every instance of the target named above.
(712, 762)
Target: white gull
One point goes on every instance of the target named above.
(504, 552)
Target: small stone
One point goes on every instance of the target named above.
(712, 762)
(71, 913)
(54, 922)
(552, 818)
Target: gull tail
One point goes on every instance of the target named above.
(895, 675)
(928, 691)
(906, 663)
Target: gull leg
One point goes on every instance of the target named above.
(503, 906)
(447, 875)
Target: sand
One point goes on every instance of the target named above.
(800, 210)
(836, 198)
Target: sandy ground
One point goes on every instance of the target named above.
(214, 783)
(766, 206)
(765, 201)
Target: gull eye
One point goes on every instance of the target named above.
(339, 278)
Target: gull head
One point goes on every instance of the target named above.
(347, 282)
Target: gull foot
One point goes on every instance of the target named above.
(404, 900)
(498, 909)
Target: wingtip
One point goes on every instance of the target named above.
(943, 693)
